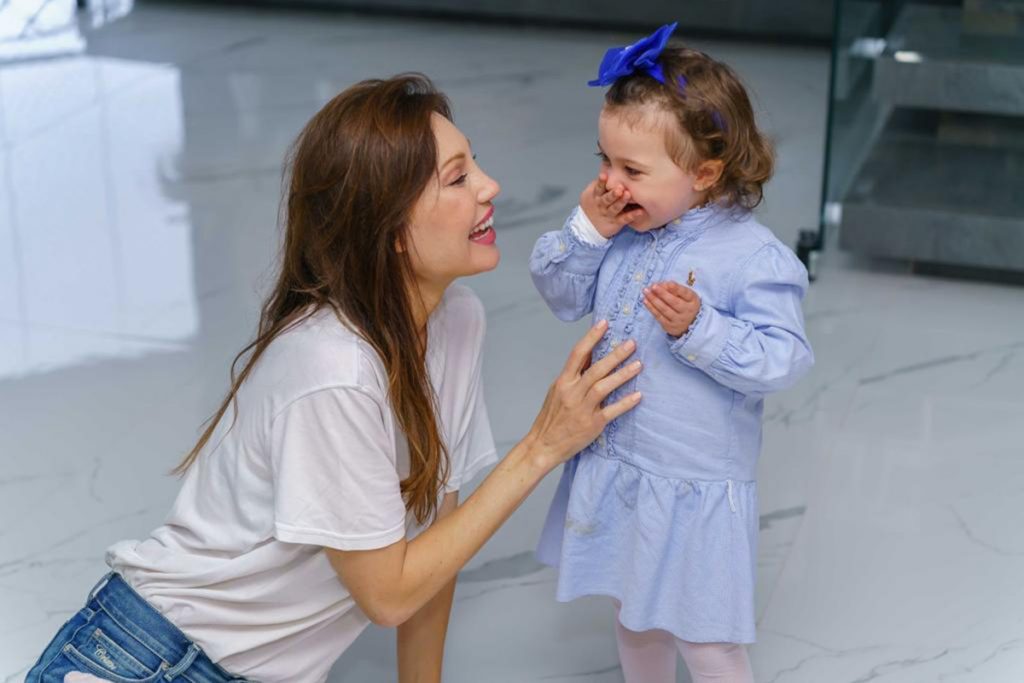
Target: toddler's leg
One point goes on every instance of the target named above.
(646, 656)
(716, 662)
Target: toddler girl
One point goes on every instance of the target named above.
(660, 512)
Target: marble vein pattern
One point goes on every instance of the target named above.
(139, 194)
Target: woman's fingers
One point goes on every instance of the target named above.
(610, 412)
(612, 360)
(572, 415)
(579, 357)
(603, 387)
(79, 677)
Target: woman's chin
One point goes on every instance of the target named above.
(486, 263)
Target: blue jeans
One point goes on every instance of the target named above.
(118, 636)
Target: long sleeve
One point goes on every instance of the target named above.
(763, 348)
(564, 266)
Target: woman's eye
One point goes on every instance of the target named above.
(460, 180)
(631, 171)
(602, 157)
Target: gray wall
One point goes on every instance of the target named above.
(809, 20)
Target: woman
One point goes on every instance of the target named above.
(323, 495)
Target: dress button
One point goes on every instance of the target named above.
(613, 343)
(691, 358)
(561, 246)
(627, 309)
(638, 277)
(602, 441)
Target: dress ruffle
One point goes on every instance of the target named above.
(679, 554)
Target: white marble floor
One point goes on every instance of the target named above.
(139, 187)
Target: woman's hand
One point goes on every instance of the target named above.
(392, 584)
(572, 415)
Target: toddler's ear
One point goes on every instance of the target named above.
(707, 174)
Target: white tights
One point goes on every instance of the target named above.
(650, 657)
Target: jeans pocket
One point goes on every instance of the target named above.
(99, 663)
(71, 660)
(105, 650)
(67, 631)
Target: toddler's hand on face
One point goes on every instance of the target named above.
(674, 306)
(604, 206)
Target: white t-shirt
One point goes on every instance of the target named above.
(314, 459)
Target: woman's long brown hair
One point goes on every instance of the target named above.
(357, 169)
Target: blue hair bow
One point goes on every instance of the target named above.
(640, 56)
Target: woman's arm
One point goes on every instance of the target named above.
(421, 639)
(391, 584)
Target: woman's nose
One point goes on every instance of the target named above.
(489, 189)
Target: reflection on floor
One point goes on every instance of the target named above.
(139, 187)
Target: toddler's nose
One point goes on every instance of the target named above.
(617, 180)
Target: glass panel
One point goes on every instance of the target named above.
(925, 152)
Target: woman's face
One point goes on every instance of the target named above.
(451, 231)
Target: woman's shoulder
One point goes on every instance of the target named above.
(457, 327)
(463, 313)
(321, 351)
(465, 301)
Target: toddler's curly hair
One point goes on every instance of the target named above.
(716, 121)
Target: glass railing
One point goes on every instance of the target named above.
(925, 152)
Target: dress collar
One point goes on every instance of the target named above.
(696, 219)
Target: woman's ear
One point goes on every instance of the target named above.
(708, 174)
(399, 246)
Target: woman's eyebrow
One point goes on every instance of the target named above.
(454, 157)
(459, 155)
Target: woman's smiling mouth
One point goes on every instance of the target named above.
(483, 233)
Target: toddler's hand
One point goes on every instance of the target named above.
(672, 305)
(604, 206)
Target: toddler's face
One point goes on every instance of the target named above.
(631, 145)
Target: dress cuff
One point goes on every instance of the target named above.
(584, 229)
(704, 341)
(578, 256)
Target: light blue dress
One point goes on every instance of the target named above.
(660, 512)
